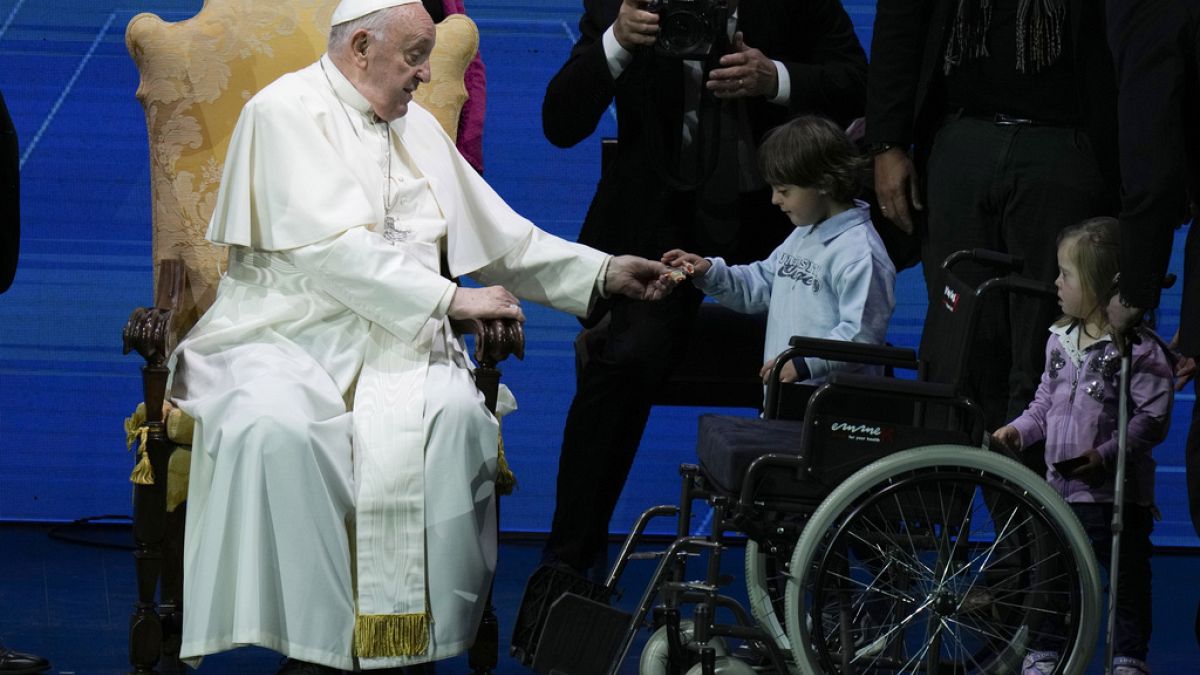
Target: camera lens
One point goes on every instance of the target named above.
(682, 31)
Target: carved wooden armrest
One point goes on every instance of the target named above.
(149, 331)
(153, 331)
(495, 339)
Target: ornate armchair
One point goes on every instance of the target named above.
(195, 77)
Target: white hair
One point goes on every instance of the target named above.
(374, 23)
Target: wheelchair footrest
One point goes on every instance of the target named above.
(580, 637)
(546, 585)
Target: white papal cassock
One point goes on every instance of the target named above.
(342, 472)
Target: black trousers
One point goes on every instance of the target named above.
(614, 391)
(1008, 188)
(607, 417)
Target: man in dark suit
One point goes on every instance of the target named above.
(1156, 46)
(684, 176)
(993, 125)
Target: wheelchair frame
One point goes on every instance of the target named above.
(948, 539)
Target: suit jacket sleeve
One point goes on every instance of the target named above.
(833, 80)
(1150, 109)
(583, 88)
(896, 53)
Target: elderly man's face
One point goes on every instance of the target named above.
(398, 61)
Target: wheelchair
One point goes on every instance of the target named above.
(881, 534)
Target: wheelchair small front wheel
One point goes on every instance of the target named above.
(942, 559)
(656, 655)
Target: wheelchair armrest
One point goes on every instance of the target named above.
(762, 464)
(853, 352)
(835, 350)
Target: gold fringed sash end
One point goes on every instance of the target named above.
(384, 635)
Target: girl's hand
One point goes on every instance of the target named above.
(1093, 473)
(1009, 437)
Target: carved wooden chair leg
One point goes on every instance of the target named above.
(494, 341)
(149, 527)
(149, 331)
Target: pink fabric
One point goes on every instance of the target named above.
(470, 123)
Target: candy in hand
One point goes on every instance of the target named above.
(678, 274)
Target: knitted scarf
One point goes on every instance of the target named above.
(1039, 33)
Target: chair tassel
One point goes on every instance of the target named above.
(143, 473)
(506, 480)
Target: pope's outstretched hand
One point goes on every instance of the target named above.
(637, 278)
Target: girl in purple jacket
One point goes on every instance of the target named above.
(1075, 413)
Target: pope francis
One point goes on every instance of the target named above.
(341, 506)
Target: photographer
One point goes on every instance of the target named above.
(684, 176)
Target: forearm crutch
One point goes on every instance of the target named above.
(1125, 344)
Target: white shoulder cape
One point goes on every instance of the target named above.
(296, 174)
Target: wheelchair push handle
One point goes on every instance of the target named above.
(1019, 285)
(996, 259)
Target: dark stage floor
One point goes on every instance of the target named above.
(71, 603)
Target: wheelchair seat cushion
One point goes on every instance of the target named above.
(726, 445)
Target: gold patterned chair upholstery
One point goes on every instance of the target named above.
(195, 77)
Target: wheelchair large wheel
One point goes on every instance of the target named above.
(942, 559)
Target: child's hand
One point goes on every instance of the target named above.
(1009, 437)
(787, 374)
(690, 264)
(1093, 473)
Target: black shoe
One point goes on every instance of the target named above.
(295, 667)
(16, 663)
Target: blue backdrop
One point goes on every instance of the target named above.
(85, 263)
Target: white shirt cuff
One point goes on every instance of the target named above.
(443, 306)
(618, 57)
(784, 94)
(602, 276)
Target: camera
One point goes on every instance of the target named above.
(690, 29)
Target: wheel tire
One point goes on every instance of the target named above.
(763, 579)
(875, 494)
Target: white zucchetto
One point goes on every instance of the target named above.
(349, 10)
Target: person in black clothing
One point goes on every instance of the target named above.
(993, 125)
(11, 662)
(1156, 46)
(10, 203)
(684, 176)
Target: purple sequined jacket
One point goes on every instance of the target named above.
(1075, 409)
